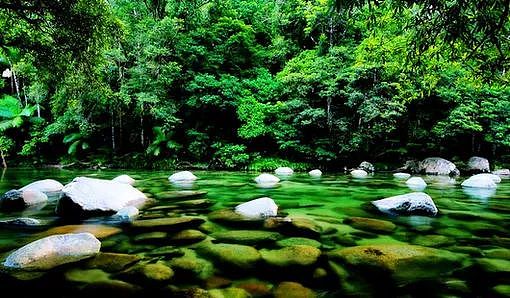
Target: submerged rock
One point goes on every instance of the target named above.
(438, 166)
(478, 164)
(294, 290)
(402, 175)
(367, 167)
(246, 236)
(416, 203)
(494, 178)
(21, 199)
(359, 173)
(233, 255)
(231, 292)
(501, 172)
(127, 214)
(167, 223)
(479, 181)
(183, 176)
(315, 173)
(371, 224)
(52, 251)
(284, 171)
(293, 241)
(124, 179)
(99, 231)
(187, 237)
(88, 196)
(156, 273)
(297, 255)
(112, 262)
(416, 183)
(403, 261)
(191, 266)
(45, 186)
(20, 222)
(258, 208)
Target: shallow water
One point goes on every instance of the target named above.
(473, 225)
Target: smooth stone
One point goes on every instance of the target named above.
(21, 199)
(501, 172)
(183, 176)
(181, 194)
(315, 173)
(111, 262)
(255, 288)
(478, 164)
(371, 224)
(21, 222)
(298, 255)
(165, 251)
(215, 282)
(267, 179)
(156, 273)
(416, 183)
(88, 196)
(438, 166)
(124, 179)
(497, 253)
(99, 231)
(295, 226)
(284, 171)
(292, 241)
(45, 186)
(433, 240)
(229, 293)
(494, 265)
(246, 236)
(457, 285)
(366, 166)
(167, 224)
(403, 261)
(191, 266)
(127, 214)
(416, 203)
(86, 276)
(258, 208)
(479, 181)
(288, 289)
(152, 237)
(494, 178)
(53, 251)
(187, 237)
(402, 175)
(359, 173)
(235, 255)
(229, 216)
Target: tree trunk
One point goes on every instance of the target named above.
(113, 131)
(38, 110)
(4, 164)
(141, 132)
(16, 84)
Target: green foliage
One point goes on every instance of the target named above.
(162, 143)
(230, 156)
(75, 141)
(269, 164)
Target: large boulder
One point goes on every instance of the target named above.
(20, 199)
(402, 175)
(315, 173)
(366, 166)
(297, 255)
(267, 179)
(416, 183)
(284, 171)
(52, 251)
(501, 172)
(258, 208)
(493, 177)
(480, 181)
(88, 196)
(183, 176)
(478, 164)
(416, 203)
(124, 179)
(359, 173)
(438, 166)
(45, 186)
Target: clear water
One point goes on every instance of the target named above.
(473, 225)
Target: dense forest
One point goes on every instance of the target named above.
(253, 83)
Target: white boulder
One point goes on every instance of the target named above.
(124, 179)
(284, 171)
(502, 172)
(183, 176)
(402, 175)
(89, 195)
(267, 179)
(127, 214)
(20, 199)
(416, 183)
(315, 173)
(416, 203)
(494, 178)
(46, 186)
(479, 181)
(438, 166)
(262, 207)
(53, 251)
(359, 173)
(478, 164)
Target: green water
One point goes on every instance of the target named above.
(471, 228)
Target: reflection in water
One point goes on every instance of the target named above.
(479, 193)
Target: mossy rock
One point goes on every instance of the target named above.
(231, 218)
(152, 237)
(433, 240)
(234, 255)
(86, 276)
(404, 262)
(255, 288)
(229, 293)
(188, 236)
(292, 241)
(215, 282)
(191, 266)
(497, 253)
(156, 273)
(167, 223)
(371, 224)
(502, 290)
(99, 231)
(494, 265)
(246, 236)
(289, 289)
(180, 194)
(297, 255)
(111, 262)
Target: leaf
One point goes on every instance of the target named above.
(71, 137)
(73, 148)
(9, 107)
